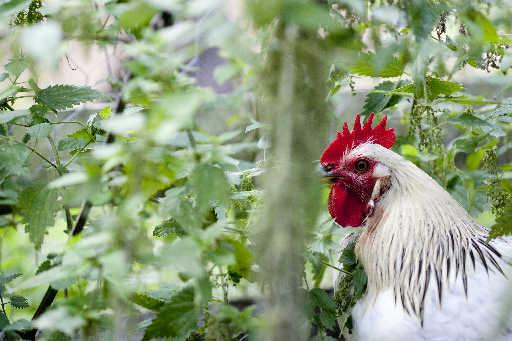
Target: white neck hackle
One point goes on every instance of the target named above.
(417, 234)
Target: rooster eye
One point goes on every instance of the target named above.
(362, 165)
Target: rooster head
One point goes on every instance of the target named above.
(357, 179)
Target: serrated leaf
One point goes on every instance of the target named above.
(434, 86)
(60, 97)
(37, 206)
(13, 160)
(176, 318)
(17, 301)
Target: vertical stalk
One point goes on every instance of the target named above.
(293, 91)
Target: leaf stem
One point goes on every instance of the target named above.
(336, 268)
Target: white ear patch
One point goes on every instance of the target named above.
(381, 171)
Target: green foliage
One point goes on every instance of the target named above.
(37, 205)
(59, 97)
(176, 318)
(351, 287)
(151, 194)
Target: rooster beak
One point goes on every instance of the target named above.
(327, 175)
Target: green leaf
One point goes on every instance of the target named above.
(359, 280)
(16, 66)
(60, 97)
(210, 186)
(52, 260)
(423, 15)
(323, 307)
(147, 301)
(136, 15)
(480, 27)
(17, 301)
(243, 261)
(376, 102)
(176, 318)
(434, 87)
(348, 258)
(13, 160)
(468, 120)
(37, 206)
(177, 205)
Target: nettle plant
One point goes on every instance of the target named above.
(132, 212)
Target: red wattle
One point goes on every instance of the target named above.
(345, 207)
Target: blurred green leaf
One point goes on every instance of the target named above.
(16, 66)
(210, 186)
(147, 301)
(368, 64)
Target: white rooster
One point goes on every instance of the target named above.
(431, 273)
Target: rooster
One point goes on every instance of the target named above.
(431, 273)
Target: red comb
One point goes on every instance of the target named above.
(347, 140)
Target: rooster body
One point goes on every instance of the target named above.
(432, 275)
